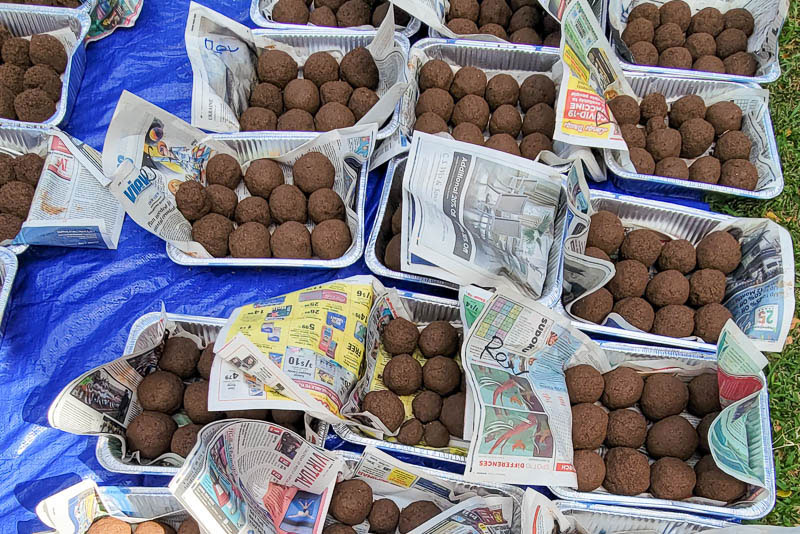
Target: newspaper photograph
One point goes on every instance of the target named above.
(514, 357)
(481, 216)
(224, 54)
(149, 152)
(109, 15)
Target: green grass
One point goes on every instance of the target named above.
(784, 368)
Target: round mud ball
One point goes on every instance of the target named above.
(290, 12)
(696, 136)
(671, 479)
(10, 225)
(700, 45)
(740, 19)
(676, 57)
(195, 402)
(625, 109)
(594, 307)
(626, 428)
(641, 245)
(668, 36)
(706, 286)
(435, 100)
(452, 415)
(533, 144)
(464, 9)
(324, 204)
(468, 133)
(180, 356)
(257, 120)
(386, 406)
(623, 388)
(150, 433)
(287, 418)
(34, 105)
(524, 17)
(439, 338)
(709, 320)
(501, 90)
(642, 160)
(42, 77)
(633, 135)
(266, 95)
(714, 483)
(673, 436)
(321, 67)
(584, 384)
(469, 81)
(401, 18)
(295, 120)
(702, 430)
(7, 110)
(410, 432)
(222, 199)
(16, 51)
(686, 108)
(527, 36)
(353, 13)
(672, 168)
(333, 116)
(504, 143)
(739, 173)
(706, 170)
(589, 423)
(403, 375)
(627, 471)
(160, 391)
(336, 528)
(301, 94)
(636, 311)
(184, 439)
(494, 29)
(605, 232)
(313, 171)
(731, 41)
(667, 287)
(505, 119)
(361, 101)
(590, 468)
(664, 143)
(206, 360)
(655, 123)
(291, 240)
(258, 415)
(678, 12)
(639, 30)
(400, 336)
(358, 68)
(109, 525)
(262, 177)
(427, 406)
(537, 89)
(250, 240)
(430, 123)
(287, 203)
(663, 395)
(384, 515)
(708, 20)
(435, 73)
(709, 64)
(154, 527)
(276, 67)
(647, 11)
(415, 514)
(337, 91)
(678, 254)
(441, 375)
(724, 116)
(223, 169)
(494, 12)
(8, 171)
(192, 200)
(704, 394)
(719, 250)
(188, 526)
(462, 26)
(471, 108)
(391, 257)
(351, 501)
(553, 40)
(397, 219)
(644, 53)
(741, 64)
(26, 168)
(674, 321)
(539, 118)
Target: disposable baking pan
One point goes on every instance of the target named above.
(602, 518)
(756, 120)
(622, 352)
(259, 15)
(382, 232)
(28, 20)
(253, 145)
(679, 222)
(8, 271)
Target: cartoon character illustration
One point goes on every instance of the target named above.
(506, 389)
(187, 162)
(520, 430)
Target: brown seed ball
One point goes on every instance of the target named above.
(642, 245)
(192, 200)
(678, 254)
(427, 406)
(696, 135)
(636, 311)
(652, 105)
(16, 51)
(160, 391)
(739, 173)
(287, 418)
(12, 76)
(34, 105)
(637, 30)
(671, 479)
(627, 471)
(464, 9)
(257, 120)
(250, 240)
(430, 123)
(416, 514)
(471, 108)
(337, 91)
(524, 17)
(740, 19)
(539, 118)
(686, 108)
(714, 483)
(584, 384)
(41, 77)
(109, 525)
(435, 100)
(441, 375)
(212, 232)
(452, 416)
(10, 225)
(730, 41)
(362, 101)
(674, 321)
(644, 53)
(222, 200)
(462, 26)
(276, 67)
(223, 169)
(626, 428)
(532, 144)
(358, 68)
(435, 73)
(552, 40)
(183, 440)
(386, 406)
(709, 64)
(630, 279)
(648, 11)
(403, 375)
(439, 338)
(733, 144)
(397, 219)
(667, 287)
(262, 177)
(290, 12)
(258, 415)
(633, 135)
(642, 160)
(154, 527)
(333, 116)
(709, 320)
(701, 44)
(625, 109)
(537, 89)
(623, 388)
(436, 435)
(188, 526)
(605, 232)
(718, 250)
(663, 395)
(7, 110)
(667, 36)
(353, 13)
(673, 436)
(655, 123)
(505, 119)
(494, 12)
(301, 94)
(590, 468)
(724, 116)
(400, 336)
(741, 64)
(324, 204)
(469, 81)
(351, 501)
(494, 29)
(664, 143)
(501, 90)
(411, 432)
(676, 11)
(594, 307)
(291, 240)
(296, 120)
(504, 143)
(676, 57)
(589, 423)
(323, 16)
(391, 257)
(702, 430)
(704, 394)
(150, 433)
(336, 528)
(384, 515)
(205, 362)
(706, 170)
(195, 402)
(180, 356)
(468, 133)
(288, 203)
(331, 239)
(706, 286)
(527, 36)
(313, 171)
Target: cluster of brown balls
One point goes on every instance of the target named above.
(330, 95)
(180, 384)
(716, 42)
(473, 104)
(620, 429)
(112, 525)
(686, 132)
(687, 287)
(438, 409)
(391, 256)
(523, 21)
(336, 13)
(211, 209)
(18, 179)
(30, 76)
(352, 504)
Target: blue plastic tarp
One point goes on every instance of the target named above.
(71, 309)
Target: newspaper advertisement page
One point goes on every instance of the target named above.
(254, 476)
(477, 216)
(592, 76)
(71, 206)
(109, 15)
(514, 356)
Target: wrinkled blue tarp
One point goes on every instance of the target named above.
(71, 309)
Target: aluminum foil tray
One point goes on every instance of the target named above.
(601, 518)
